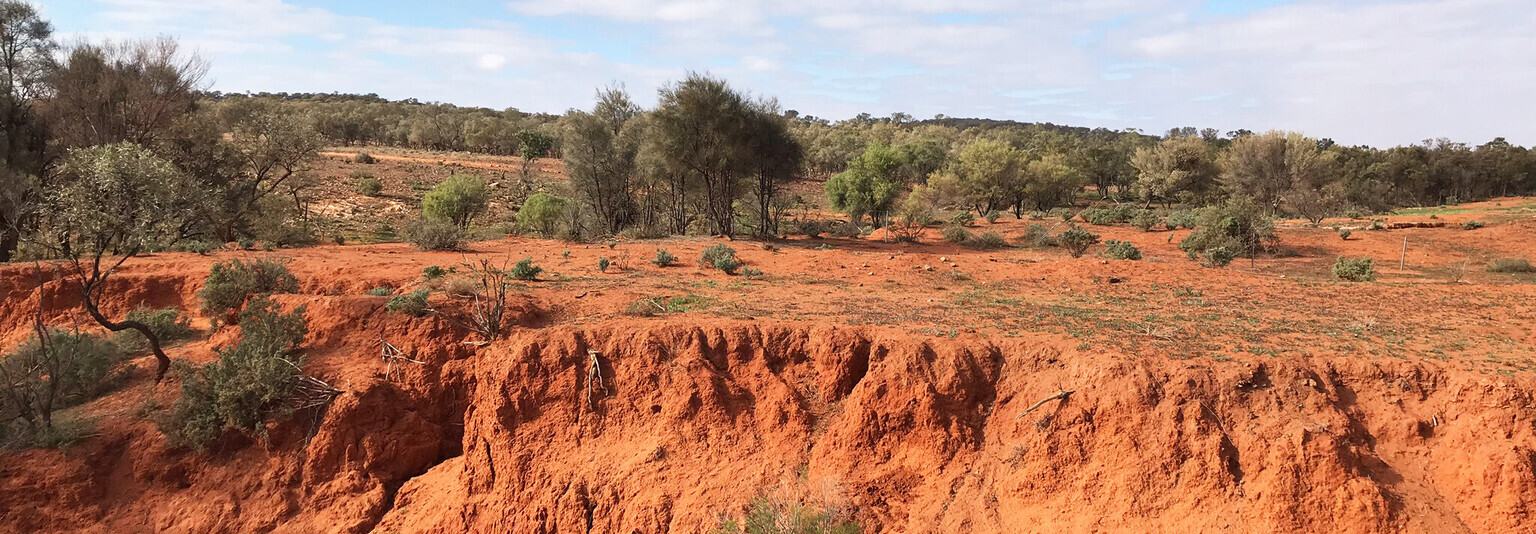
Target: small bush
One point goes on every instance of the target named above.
(1077, 240)
(602, 264)
(1180, 219)
(1377, 224)
(199, 247)
(1038, 236)
(776, 517)
(1472, 225)
(987, 241)
(230, 284)
(64, 433)
(663, 258)
(526, 270)
(69, 369)
(1511, 265)
(1344, 233)
(365, 184)
(381, 291)
(365, 158)
(720, 257)
(414, 304)
(457, 200)
(1145, 220)
(168, 324)
(1121, 250)
(433, 272)
(461, 287)
(246, 243)
(845, 229)
(964, 218)
(992, 216)
(1354, 269)
(384, 233)
(248, 383)
(542, 213)
(431, 234)
(1218, 257)
(646, 307)
(1239, 227)
(811, 229)
(956, 234)
(1107, 216)
(751, 273)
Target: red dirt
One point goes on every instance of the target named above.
(1259, 398)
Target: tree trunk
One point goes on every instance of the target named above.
(162, 362)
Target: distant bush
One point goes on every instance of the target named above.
(602, 264)
(1181, 219)
(987, 241)
(720, 257)
(992, 216)
(663, 258)
(385, 233)
(774, 517)
(845, 229)
(198, 246)
(1038, 236)
(433, 272)
(1145, 220)
(1354, 269)
(542, 213)
(1511, 265)
(1344, 233)
(1121, 250)
(168, 324)
(432, 234)
(1238, 227)
(414, 304)
(956, 234)
(964, 218)
(1107, 216)
(248, 383)
(1218, 257)
(364, 157)
(363, 183)
(811, 229)
(526, 270)
(230, 284)
(749, 272)
(1472, 225)
(457, 200)
(381, 291)
(1077, 240)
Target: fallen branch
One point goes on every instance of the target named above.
(594, 376)
(390, 354)
(1060, 395)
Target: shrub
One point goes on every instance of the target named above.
(720, 257)
(461, 287)
(1077, 240)
(1354, 269)
(845, 229)
(365, 158)
(526, 270)
(199, 247)
(541, 213)
(1511, 265)
(1038, 236)
(811, 229)
(1145, 220)
(1218, 257)
(1377, 224)
(1121, 250)
(384, 233)
(1238, 226)
(646, 307)
(65, 432)
(432, 234)
(777, 517)
(1344, 233)
(381, 291)
(956, 234)
(987, 241)
(365, 184)
(457, 200)
(964, 218)
(1472, 225)
(246, 243)
(230, 284)
(433, 272)
(1180, 219)
(414, 304)
(168, 324)
(602, 264)
(663, 258)
(70, 368)
(751, 273)
(246, 385)
(1113, 215)
(992, 216)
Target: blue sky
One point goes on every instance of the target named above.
(1380, 72)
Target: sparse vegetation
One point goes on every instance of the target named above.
(1121, 250)
(663, 258)
(1077, 240)
(956, 234)
(433, 272)
(1037, 235)
(987, 241)
(1238, 227)
(525, 270)
(414, 304)
(167, 323)
(381, 291)
(770, 516)
(53, 372)
(230, 283)
(1471, 225)
(364, 158)
(363, 183)
(432, 234)
(1511, 265)
(1354, 269)
(720, 257)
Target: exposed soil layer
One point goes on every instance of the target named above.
(869, 377)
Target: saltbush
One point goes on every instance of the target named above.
(1145, 220)
(526, 270)
(664, 258)
(720, 257)
(1511, 265)
(777, 517)
(364, 157)
(956, 234)
(230, 284)
(363, 183)
(414, 304)
(1077, 240)
(1038, 236)
(433, 234)
(1354, 269)
(1121, 250)
(987, 241)
(1472, 225)
(1238, 227)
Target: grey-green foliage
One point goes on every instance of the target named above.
(1354, 269)
(457, 200)
(664, 258)
(1076, 240)
(248, 383)
(987, 241)
(526, 270)
(1121, 250)
(1039, 236)
(168, 324)
(230, 283)
(70, 368)
(599, 150)
(414, 304)
(956, 234)
(1239, 227)
(720, 257)
(772, 517)
(1511, 265)
(435, 234)
(542, 213)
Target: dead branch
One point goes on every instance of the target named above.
(390, 354)
(1060, 395)
(594, 380)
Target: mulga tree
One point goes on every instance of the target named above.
(106, 205)
(701, 125)
(600, 148)
(1179, 165)
(26, 59)
(773, 156)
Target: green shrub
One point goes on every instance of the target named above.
(964, 218)
(246, 243)
(414, 304)
(381, 291)
(1077, 240)
(230, 284)
(664, 258)
(1239, 226)
(987, 241)
(198, 246)
(992, 216)
(248, 383)
(69, 369)
(384, 233)
(811, 229)
(1181, 219)
(956, 234)
(168, 324)
(1377, 224)
(1218, 257)
(751, 273)
(432, 234)
(1354, 269)
(1511, 265)
(457, 200)
(64, 433)
(1121, 250)
(363, 183)
(542, 213)
(526, 270)
(1472, 225)
(602, 264)
(720, 257)
(1344, 233)
(776, 517)
(1107, 216)
(364, 157)
(433, 272)
(1145, 220)
(1038, 236)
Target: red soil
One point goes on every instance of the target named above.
(1259, 398)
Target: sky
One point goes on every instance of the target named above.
(1378, 72)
